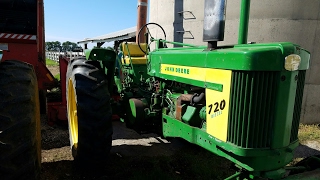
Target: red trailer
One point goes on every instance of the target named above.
(24, 81)
(22, 36)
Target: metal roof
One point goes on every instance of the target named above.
(114, 36)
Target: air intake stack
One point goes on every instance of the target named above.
(214, 22)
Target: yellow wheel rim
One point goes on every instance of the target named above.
(72, 115)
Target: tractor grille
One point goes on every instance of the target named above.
(297, 106)
(251, 114)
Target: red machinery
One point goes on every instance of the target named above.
(22, 38)
(57, 107)
(26, 44)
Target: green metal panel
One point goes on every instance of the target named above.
(253, 57)
(252, 159)
(137, 72)
(297, 106)
(284, 109)
(107, 58)
(101, 54)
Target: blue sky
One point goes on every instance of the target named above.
(74, 20)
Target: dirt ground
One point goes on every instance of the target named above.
(138, 156)
(54, 70)
(133, 156)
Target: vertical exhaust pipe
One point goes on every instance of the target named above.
(244, 22)
(142, 19)
(214, 22)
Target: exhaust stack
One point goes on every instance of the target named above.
(142, 19)
(214, 22)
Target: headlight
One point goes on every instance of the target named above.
(292, 62)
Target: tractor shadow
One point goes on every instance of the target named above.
(145, 156)
(142, 156)
(55, 136)
(306, 150)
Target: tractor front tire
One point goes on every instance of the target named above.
(20, 136)
(89, 113)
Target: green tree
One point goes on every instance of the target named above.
(69, 46)
(57, 46)
(65, 46)
(53, 46)
(49, 46)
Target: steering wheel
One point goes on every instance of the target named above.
(151, 38)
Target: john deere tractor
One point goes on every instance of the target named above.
(241, 102)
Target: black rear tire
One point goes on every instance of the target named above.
(89, 113)
(20, 137)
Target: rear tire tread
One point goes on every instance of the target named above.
(93, 111)
(19, 157)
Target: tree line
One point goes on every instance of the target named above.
(65, 46)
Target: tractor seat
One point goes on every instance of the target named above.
(132, 50)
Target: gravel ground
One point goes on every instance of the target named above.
(130, 151)
(310, 148)
(126, 142)
(135, 152)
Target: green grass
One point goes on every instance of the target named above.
(308, 133)
(50, 62)
(57, 77)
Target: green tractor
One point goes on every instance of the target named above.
(241, 102)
